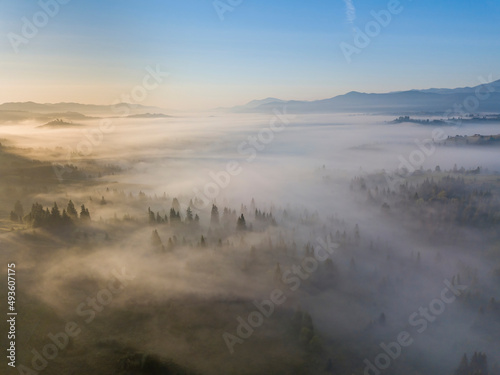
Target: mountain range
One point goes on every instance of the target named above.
(477, 99)
(87, 109)
(38, 112)
(481, 98)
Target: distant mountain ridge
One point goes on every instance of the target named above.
(433, 100)
(149, 115)
(86, 109)
(43, 112)
(428, 100)
(23, 116)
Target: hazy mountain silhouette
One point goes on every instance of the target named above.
(429, 100)
(87, 109)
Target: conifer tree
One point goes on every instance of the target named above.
(18, 210)
(71, 210)
(155, 239)
(214, 215)
(84, 213)
(189, 215)
(241, 224)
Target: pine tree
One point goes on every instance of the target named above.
(55, 216)
(463, 368)
(176, 205)
(479, 364)
(174, 216)
(151, 215)
(71, 210)
(214, 216)
(155, 239)
(189, 215)
(171, 244)
(65, 219)
(18, 210)
(84, 213)
(37, 217)
(55, 213)
(241, 224)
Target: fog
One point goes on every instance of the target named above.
(319, 182)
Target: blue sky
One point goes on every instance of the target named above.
(94, 51)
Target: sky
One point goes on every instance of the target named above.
(214, 54)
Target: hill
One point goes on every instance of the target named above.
(86, 109)
(58, 123)
(149, 115)
(24, 116)
(411, 101)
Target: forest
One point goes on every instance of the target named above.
(253, 286)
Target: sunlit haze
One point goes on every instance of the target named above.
(93, 51)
